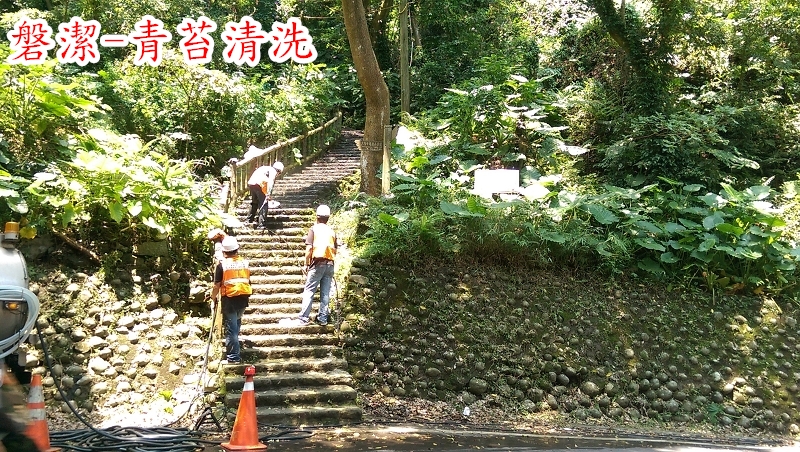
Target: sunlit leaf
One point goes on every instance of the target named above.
(711, 221)
(135, 209)
(27, 232)
(388, 219)
(115, 210)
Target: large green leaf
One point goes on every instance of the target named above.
(388, 219)
(601, 214)
(7, 193)
(689, 223)
(650, 266)
(669, 258)
(649, 227)
(713, 220)
(115, 209)
(649, 243)
(68, 214)
(713, 200)
(454, 209)
(707, 245)
(552, 236)
(673, 228)
(134, 209)
(728, 228)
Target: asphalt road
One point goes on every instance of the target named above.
(414, 437)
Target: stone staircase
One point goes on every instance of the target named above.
(301, 374)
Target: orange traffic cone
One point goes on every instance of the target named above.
(245, 428)
(37, 429)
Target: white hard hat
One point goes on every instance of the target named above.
(278, 166)
(215, 234)
(229, 244)
(323, 211)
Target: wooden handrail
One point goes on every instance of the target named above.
(310, 145)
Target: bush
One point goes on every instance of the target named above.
(117, 193)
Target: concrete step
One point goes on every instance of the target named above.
(258, 299)
(305, 415)
(263, 381)
(274, 260)
(249, 238)
(257, 276)
(278, 288)
(277, 328)
(277, 310)
(273, 317)
(291, 365)
(315, 351)
(295, 340)
(261, 266)
(290, 397)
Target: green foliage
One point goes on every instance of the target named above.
(117, 192)
(11, 193)
(215, 115)
(685, 145)
(40, 111)
(451, 47)
(498, 119)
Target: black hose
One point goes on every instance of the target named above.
(136, 439)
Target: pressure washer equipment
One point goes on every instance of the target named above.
(19, 307)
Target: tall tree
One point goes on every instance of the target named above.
(376, 93)
(648, 42)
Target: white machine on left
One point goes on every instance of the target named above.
(19, 307)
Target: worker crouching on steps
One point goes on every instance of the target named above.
(232, 281)
(261, 184)
(321, 244)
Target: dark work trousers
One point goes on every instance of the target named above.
(256, 200)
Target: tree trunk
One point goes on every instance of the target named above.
(376, 94)
(379, 20)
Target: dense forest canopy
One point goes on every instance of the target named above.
(655, 137)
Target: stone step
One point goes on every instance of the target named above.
(287, 311)
(262, 381)
(257, 276)
(282, 310)
(273, 367)
(265, 289)
(274, 298)
(289, 397)
(272, 253)
(261, 329)
(261, 266)
(295, 340)
(277, 225)
(264, 254)
(315, 351)
(248, 237)
(305, 415)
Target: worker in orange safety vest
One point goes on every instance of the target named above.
(232, 281)
(321, 245)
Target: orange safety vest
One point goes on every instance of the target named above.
(324, 246)
(235, 277)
